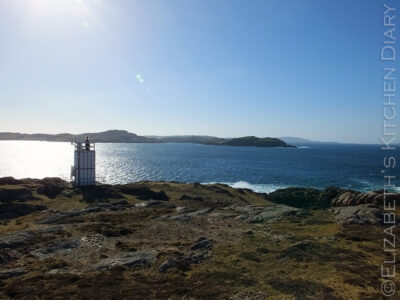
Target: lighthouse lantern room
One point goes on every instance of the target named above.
(83, 172)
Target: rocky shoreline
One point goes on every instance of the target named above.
(167, 240)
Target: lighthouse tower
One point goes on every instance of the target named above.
(84, 170)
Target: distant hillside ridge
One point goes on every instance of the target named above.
(123, 136)
(109, 136)
(251, 141)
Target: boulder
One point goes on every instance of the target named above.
(141, 258)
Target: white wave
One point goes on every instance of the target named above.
(303, 147)
(258, 188)
(397, 189)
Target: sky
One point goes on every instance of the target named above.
(304, 68)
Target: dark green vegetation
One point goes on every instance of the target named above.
(123, 136)
(250, 141)
(164, 240)
(305, 197)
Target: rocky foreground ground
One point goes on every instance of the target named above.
(167, 240)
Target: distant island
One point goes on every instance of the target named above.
(123, 136)
(301, 141)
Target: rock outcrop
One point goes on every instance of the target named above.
(196, 254)
(364, 214)
(349, 198)
(265, 214)
(51, 187)
(303, 197)
(93, 208)
(10, 211)
(141, 258)
(10, 193)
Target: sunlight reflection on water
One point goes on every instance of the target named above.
(261, 169)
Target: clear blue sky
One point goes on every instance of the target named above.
(307, 68)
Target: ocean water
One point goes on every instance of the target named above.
(260, 169)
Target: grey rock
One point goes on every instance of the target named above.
(330, 238)
(184, 209)
(11, 210)
(120, 203)
(274, 213)
(222, 215)
(183, 262)
(57, 217)
(247, 209)
(264, 214)
(181, 218)
(141, 258)
(199, 212)
(202, 243)
(151, 203)
(67, 193)
(9, 273)
(188, 216)
(7, 255)
(56, 248)
(198, 252)
(16, 239)
(57, 271)
(359, 214)
(250, 295)
(51, 230)
(241, 218)
(353, 198)
(96, 207)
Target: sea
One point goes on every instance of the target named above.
(349, 166)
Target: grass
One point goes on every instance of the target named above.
(298, 257)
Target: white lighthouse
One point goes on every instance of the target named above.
(84, 169)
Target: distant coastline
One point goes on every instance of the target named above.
(123, 136)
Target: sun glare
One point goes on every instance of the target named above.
(43, 7)
(73, 10)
